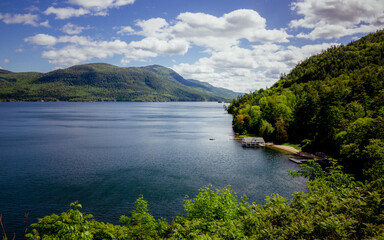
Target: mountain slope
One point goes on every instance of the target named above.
(104, 82)
(202, 86)
(334, 101)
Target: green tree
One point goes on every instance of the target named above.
(71, 224)
(281, 130)
(375, 153)
(266, 129)
(357, 137)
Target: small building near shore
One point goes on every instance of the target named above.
(253, 142)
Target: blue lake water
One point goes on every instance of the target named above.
(106, 154)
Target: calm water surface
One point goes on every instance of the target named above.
(106, 154)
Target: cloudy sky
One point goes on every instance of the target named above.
(242, 45)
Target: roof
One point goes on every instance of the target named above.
(254, 139)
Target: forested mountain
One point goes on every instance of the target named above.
(333, 102)
(104, 82)
(170, 74)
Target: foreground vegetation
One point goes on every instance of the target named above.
(104, 82)
(335, 207)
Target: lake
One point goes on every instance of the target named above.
(106, 154)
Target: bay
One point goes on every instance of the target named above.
(106, 154)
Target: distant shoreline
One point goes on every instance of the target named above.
(54, 101)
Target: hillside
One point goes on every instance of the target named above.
(104, 82)
(332, 102)
(203, 86)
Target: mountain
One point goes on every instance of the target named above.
(105, 82)
(3, 71)
(332, 102)
(204, 86)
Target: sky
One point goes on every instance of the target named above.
(242, 45)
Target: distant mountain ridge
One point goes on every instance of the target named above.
(167, 72)
(105, 82)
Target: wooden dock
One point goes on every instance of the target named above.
(298, 160)
(303, 157)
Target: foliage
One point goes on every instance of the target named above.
(71, 224)
(212, 205)
(104, 82)
(334, 100)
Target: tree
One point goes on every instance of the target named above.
(266, 129)
(375, 153)
(281, 132)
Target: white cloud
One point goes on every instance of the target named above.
(337, 18)
(163, 38)
(92, 7)
(137, 55)
(45, 24)
(78, 40)
(245, 70)
(214, 32)
(125, 30)
(77, 49)
(68, 12)
(101, 4)
(226, 31)
(83, 50)
(171, 47)
(32, 9)
(71, 29)
(154, 27)
(6, 60)
(48, 40)
(41, 39)
(27, 19)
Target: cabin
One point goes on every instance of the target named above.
(253, 142)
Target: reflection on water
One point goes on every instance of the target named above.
(106, 154)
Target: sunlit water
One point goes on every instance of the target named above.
(106, 154)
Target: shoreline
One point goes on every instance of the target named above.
(288, 149)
